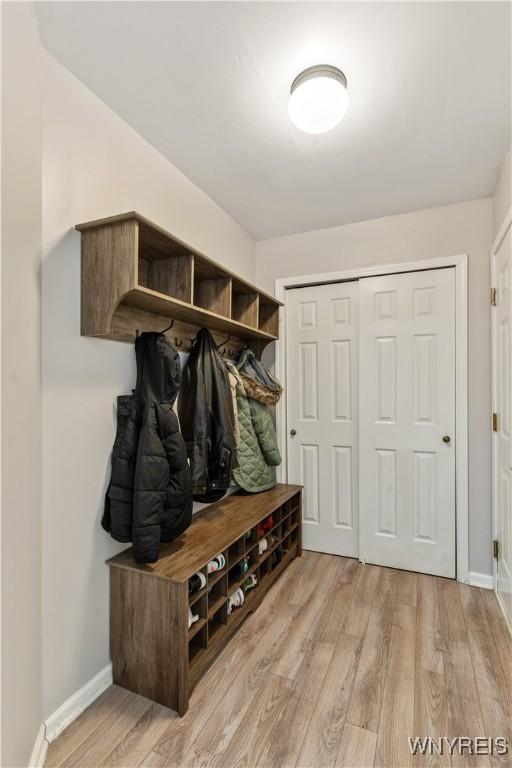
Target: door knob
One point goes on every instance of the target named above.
(446, 438)
(293, 432)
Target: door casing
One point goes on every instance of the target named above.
(460, 262)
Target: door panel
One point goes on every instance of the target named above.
(406, 405)
(322, 393)
(502, 397)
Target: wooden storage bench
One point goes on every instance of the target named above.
(153, 651)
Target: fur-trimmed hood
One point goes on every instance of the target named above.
(259, 391)
(257, 380)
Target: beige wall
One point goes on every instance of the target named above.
(446, 231)
(502, 199)
(21, 714)
(94, 165)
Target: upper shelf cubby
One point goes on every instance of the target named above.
(245, 303)
(212, 287)
(138, 277)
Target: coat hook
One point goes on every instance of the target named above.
(225, 341)
(168, 327)
(178, 342)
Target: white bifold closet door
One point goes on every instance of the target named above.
(407, 421)
(321, 362)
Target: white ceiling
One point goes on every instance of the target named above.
(207, 84)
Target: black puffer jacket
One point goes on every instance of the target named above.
(149, 499)
(205, 407)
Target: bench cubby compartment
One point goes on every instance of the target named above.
(236, 551)
(197, 645)
(217, 595)
(199, 607)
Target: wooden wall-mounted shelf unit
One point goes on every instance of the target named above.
(154, 652)
(138, 277)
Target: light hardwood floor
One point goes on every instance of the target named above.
(341, 663)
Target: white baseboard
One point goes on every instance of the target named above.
(484, 580)
(75, 705)
(38, 755)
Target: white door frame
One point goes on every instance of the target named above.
(461, 374)
(500, 236)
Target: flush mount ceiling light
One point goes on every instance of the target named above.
(318, 99)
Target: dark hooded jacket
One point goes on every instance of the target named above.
(207, 420)
(149, 499)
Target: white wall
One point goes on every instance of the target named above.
(445, 231)
(502, 199)
(94, 165)
(21, 385)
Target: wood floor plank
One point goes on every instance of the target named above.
(430, 716)
(361, 604)
(325, 627)
(305, 623)
(365, 702)
(464, 711)
(252, 736)
(285, 740)
(495, 702)
(404, 616)
(117, 726)
(93, 718)
(500, 632)
(429, 642)
(397, 711)
(453, 628)
(332, 620)
(407, 589)
(132, 749)
(357, 749)
(154, 760)
(473, 608)
(323, 737)
(301, 584)
(288, 732)
(464, 715)
(405, 601)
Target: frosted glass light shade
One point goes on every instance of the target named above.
(318, 99)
